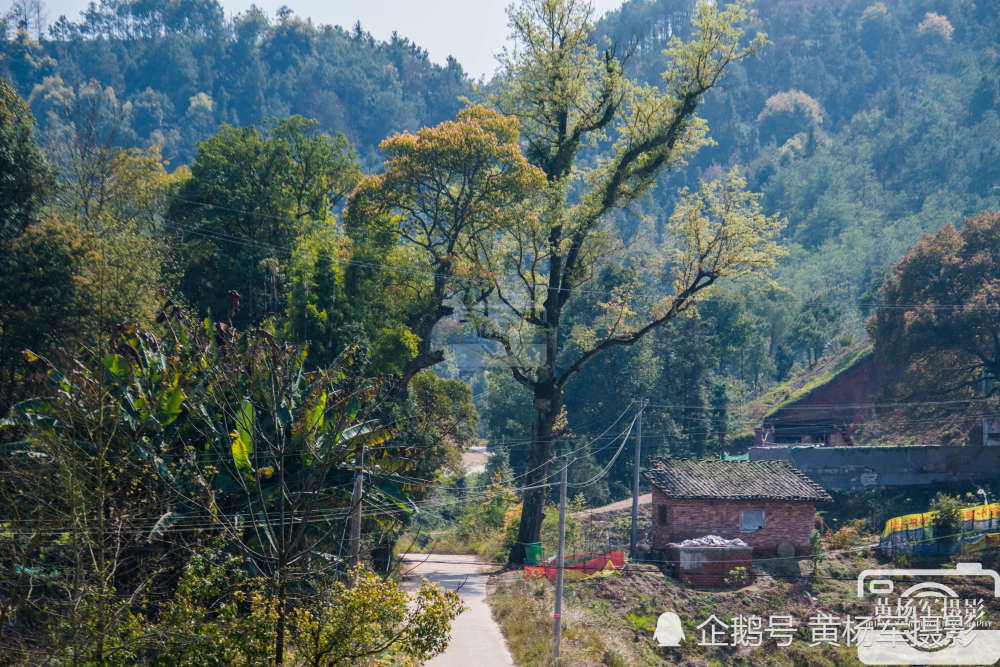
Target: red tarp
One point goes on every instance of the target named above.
(586, 564)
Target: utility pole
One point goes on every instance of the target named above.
(560, 559)
(991, 425)
(355, 539)
(634, 539)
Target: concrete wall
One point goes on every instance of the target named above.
(686, 518)
(844, 468)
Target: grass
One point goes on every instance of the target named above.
(494, 543)
(491, 546)
(605, 622)
(524, 611)
(786, 394)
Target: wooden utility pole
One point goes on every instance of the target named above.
(355, 539)
(634, 538)
(560, 558)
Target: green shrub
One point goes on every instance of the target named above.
(948, 517)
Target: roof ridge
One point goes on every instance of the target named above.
(725, 479)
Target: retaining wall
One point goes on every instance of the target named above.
(846, 468)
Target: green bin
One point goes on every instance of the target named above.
(533, 553)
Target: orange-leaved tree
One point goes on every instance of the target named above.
(445, 191)
(943, 299)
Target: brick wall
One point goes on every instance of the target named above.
(709, 567)
(685, 518)
(816, 416)
(853, 389)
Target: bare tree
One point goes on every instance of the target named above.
(28, 15)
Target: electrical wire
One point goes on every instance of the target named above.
(602, 473)
(247, 242)
(823, 556)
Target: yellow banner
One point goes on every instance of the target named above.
(914, 521)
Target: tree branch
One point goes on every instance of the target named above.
(681, 302)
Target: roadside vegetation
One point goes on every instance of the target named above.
(479, 514)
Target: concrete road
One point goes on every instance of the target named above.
(620, 507)
(474, 459)
(475, 637)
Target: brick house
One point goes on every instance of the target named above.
(764, 503)
(831, 412)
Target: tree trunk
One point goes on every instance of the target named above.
(422, 361)
(547, 406)
(423, 326)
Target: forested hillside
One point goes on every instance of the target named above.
(867, 123)
(240, 257)
(175, 71)
(263, 283)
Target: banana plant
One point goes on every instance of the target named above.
(223, 433)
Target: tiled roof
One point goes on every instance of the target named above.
(733, 480)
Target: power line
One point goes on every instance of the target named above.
(602, 473)
(538, 467)
(248, 242)
(845, 406)
(765, 559)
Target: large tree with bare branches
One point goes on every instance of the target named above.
(570, 97)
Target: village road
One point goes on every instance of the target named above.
(475, 637)
(645, 501)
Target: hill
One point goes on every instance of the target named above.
(175, 71)
(867, 123)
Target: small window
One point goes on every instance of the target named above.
(751, 520)
(661, 513)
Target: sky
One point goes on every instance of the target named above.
(471, 30)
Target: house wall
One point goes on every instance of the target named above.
(687, 518)
(845, 468)
(853, 388)
(826, 414)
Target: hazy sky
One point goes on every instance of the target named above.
(472, 31)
